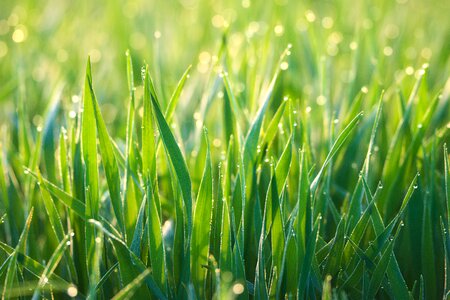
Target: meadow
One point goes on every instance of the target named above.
(199, 149)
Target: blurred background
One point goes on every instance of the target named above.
(44, 47)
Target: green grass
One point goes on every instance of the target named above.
(244, 150)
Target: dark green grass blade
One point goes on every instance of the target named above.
(380, 270)
(306, 264)
(183, 181)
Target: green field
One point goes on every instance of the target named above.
(199, 149)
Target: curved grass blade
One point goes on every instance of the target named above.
(33, 266)
(51, 266)
(334, 149)
(72, 203)
(129, 291)
(176, 157)
(12, 266)
(105, 277)
(176, 95)
(183, 182)
(109, 162)
(56, 224)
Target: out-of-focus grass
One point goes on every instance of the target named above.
(225, 170)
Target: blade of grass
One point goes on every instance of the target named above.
(51, 266)
(12, 266)
(334, 149)
(201, 226)
(129, 291)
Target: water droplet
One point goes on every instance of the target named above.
(72, 114)
(321, 100)
(284, 66)
(279, 30)
(72, 291)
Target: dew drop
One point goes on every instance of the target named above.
(238, 288)
(72, 291)
(72, 114)
(284, 66)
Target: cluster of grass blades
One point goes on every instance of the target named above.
(316, 171)
(122, 221)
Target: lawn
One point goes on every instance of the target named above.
(197, 149)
